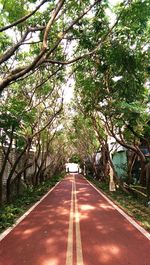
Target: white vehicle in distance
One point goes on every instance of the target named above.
(72, 168)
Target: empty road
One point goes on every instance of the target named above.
(75, 225)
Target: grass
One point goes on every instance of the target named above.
(134, 206)
(10, 212)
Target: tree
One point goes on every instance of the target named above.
(17, 61)
(112, 83)
(27, 123)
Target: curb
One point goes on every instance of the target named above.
(9, 229)
(125, 215)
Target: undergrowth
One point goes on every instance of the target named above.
(134, 206)
(10, 212)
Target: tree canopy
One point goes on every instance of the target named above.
(104, 48)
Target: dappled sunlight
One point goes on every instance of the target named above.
(42, 237)
(29, 231)
(106, 206)
(87, 207)
(51, 222)
(61, 210)
(26, 233)
(111, 248)
(105, 231)
(84, 216)
(107, 253)
(49, 241)
(82, 190)
(50, 261)
(99, 227)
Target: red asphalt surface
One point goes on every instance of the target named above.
(107, 238)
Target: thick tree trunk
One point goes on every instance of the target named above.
(5, 160)
(8, 191)
(94, 167)
(105, 159)
(18, 176)
(18, 185)
(143, 165)
(148, 180)
(143, 173)
(1, 191)
(42, 167)
(37, 156)
(131, 161)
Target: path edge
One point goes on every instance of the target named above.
(9, 229)
(125, 215)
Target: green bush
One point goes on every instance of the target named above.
(134, 206)
(10, 212)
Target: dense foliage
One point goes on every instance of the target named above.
(106, 50)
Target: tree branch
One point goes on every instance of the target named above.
(49, 24)
(23, 18)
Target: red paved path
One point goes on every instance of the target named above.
(107, 238)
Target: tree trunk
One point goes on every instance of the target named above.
(4, 165)
(8, 190)
(37, 155)
(12, 172)
(143, 165)
(1, 191)
(134, 148)
(131, 161)
(105, 159)
(148, 180)
(18, 184)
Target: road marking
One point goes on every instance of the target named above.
(74, 216)
(69, 257)
(79, 253)
(135, 224)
